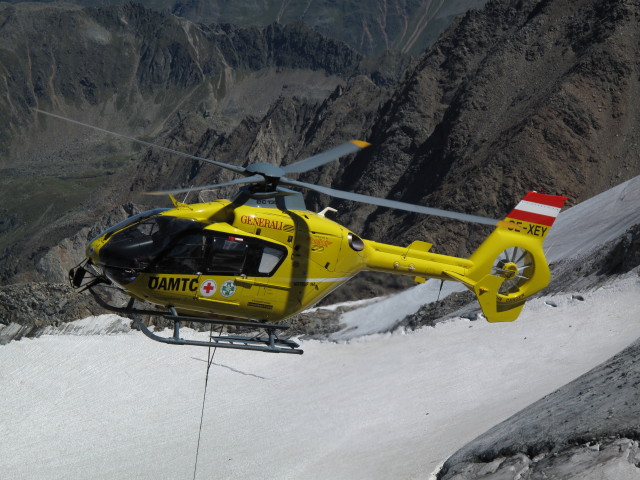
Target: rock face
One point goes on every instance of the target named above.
(134, 63)
(609, 458)
(534, 96)
(540, 95)
(586, 429)
(514, 98)
(369, 27)
(39, 304)
(132, 70)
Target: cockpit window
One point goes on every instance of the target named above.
(228, 256)
(186, 255)
(130, 221)
(140, 245)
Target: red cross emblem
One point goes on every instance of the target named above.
(208, 288)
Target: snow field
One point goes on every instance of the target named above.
(382, 315)
(595, 221)
(378, 407)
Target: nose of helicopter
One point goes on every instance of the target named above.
(105, 250)
(115, 257)
(92, 250)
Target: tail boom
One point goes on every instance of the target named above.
(504, 272)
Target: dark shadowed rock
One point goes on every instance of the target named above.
(590, 425)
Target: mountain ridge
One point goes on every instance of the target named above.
(371, 28)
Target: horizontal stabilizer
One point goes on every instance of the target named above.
(487, 292)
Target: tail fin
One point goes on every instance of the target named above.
(509, 266)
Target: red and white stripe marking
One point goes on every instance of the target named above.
(538, 208)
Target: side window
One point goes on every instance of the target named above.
(228, 256)
(271, 258)
(263, 259)
(243, 256)
(186, 255)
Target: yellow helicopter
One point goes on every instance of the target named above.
(262, 257)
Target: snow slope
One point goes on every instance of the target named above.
(381, 316)
(383, 406)
(378, 407)
(595, 221)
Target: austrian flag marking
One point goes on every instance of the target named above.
(538, 208)
(208, 288)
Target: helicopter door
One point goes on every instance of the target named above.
(237, 272)
(174, 273)
(224, 266)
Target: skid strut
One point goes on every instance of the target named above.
(270, 343)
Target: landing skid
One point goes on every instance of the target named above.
(271, 343)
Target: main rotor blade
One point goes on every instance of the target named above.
(237, 181)
(383, 202)
(233, 168)
(325, 157)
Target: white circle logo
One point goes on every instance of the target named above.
(228, 288)
(208, 288)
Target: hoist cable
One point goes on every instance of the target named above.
(210, 356)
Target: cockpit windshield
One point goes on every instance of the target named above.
(130, 221)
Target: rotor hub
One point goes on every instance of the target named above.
(509, 270)
(516, 266)
(267, 170)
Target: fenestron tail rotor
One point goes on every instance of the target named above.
(516, 265)
(267, 179)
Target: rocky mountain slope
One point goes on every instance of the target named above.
(587, 429)
(132, 70)
(537, 95)
(369, 27)
(513, 99)
(590, 427)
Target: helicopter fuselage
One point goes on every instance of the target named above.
(221, 259)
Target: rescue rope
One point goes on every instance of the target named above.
(210, 356)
